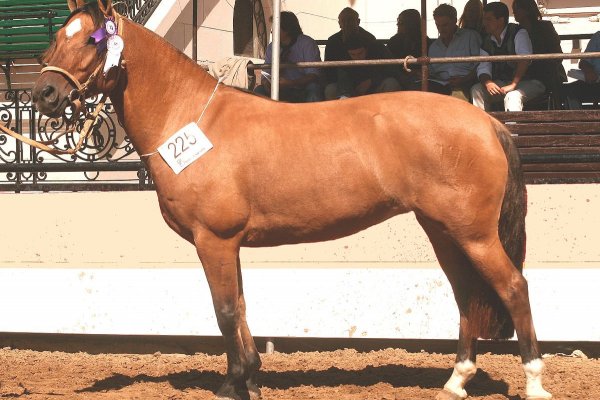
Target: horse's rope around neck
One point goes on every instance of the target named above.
(90, 118)
(199, 118)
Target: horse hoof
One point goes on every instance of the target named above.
(446, 395)
(227, 393)
(254, 391)
(219, 397)
(249, 391)
(255, 395)
(539, 395)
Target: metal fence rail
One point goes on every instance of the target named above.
(429, 60)
(107, 161)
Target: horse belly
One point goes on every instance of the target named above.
(316, 223)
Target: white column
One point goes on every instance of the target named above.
(275, 50)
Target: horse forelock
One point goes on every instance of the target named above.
(91, 9)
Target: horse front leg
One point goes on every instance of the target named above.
(219, 259)
(252, 355)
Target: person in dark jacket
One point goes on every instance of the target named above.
(407, 42)
(544, 40)
(358, 81)
(587, 86)
(502, 81)
(335, 49)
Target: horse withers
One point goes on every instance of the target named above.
(289, 173)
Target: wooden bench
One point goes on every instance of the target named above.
(27, 28)
(557, 146)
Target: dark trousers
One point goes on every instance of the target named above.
(578, 92)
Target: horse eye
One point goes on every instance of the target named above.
(91, 40)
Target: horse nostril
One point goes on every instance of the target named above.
(49, 95)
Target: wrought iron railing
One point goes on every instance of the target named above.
(137, 10)
(107, 161)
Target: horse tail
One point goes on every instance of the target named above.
(490, 318)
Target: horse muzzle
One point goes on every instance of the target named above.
(49, 100)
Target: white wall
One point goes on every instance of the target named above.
(107, 263)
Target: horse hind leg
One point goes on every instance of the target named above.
(490, 260)
(457, 268)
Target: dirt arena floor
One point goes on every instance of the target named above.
(391, 374)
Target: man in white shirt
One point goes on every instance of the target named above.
(453, 78)
(504, 81)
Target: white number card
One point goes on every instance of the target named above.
(184, 147)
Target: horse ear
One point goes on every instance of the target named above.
(73, 5)
(106, 7)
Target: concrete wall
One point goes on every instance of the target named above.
(106, 263)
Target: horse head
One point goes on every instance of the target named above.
(73, 65)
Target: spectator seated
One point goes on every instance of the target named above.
(358, 81)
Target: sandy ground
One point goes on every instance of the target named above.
(391, 374)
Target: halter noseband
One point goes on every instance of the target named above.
(80, 90)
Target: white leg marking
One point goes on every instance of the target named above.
(73, 27)
(533, 373)
(463, 372)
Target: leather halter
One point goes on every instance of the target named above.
(80, 90)
(76, 95)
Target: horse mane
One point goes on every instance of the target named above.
(165, 45)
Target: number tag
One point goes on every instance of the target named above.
(184, 147)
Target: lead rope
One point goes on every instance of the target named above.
(43, 145)
(199, 118)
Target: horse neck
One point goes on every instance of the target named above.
(161, 91)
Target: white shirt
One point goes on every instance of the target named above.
(522, 46)
(465, 42)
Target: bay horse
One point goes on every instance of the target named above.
(289, 173)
